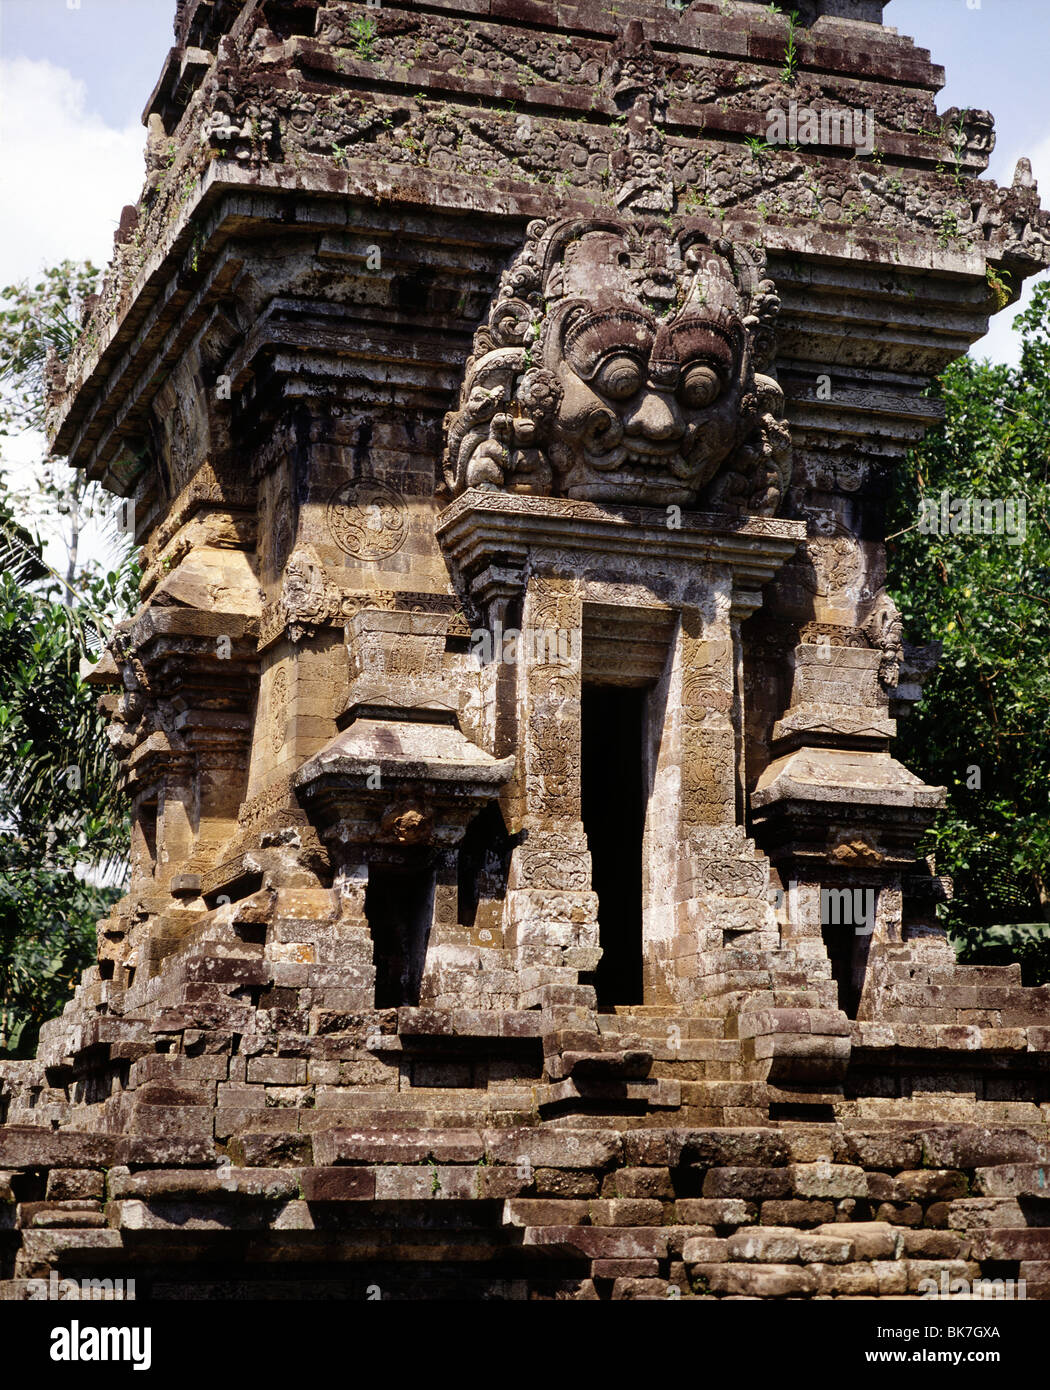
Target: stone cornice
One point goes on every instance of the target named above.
(481, 529)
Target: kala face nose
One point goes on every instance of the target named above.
(655, 416)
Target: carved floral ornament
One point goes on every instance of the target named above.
(619, 364)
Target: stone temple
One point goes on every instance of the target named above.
(524, 898)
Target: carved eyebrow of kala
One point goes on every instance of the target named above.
(591, 339)
(699, 340)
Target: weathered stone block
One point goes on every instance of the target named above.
(883, 1149)
(638, 1243)
(337, 1184)
(714, 1211)
(705, 1250)
(794, 1212)
(930, 1185)
(899, 1213)
(764, 1244)
(636, 1288)
(1026, 1243)
(828, 1180)
(639, 1182)
(397, 1146)
(757, 1281)
(1013, 1180)
(869, 1240)
(732, 1148)
(564, 1148)
(750, 1184)
(532, 1211)
(629, 1273)
(64, 1184)
(560, 1182)
(974, 1146)
(630, 1211)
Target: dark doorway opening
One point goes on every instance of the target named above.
(613, 808)
(848, 954)
(399, 905)
(484, 862)
(148, 818)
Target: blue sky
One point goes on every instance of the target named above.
(115, 46)
(996, 57)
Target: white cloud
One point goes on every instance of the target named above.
(64, 174)
(64, 177)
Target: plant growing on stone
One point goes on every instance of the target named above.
(958, 144)
(789, 71)
(997, 284)
(949, 228)
(362, 31)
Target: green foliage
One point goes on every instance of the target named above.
(789, 71)
(363, 31)
(997, 283)
(47, 937)
(63, 822)
(983, 730)
(1026, 943)
(55, 770)
(34, 320)
(949, 229)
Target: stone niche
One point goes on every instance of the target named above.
(627, 710)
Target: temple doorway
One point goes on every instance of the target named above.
(613, 810)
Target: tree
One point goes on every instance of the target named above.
(984, 727)
(62, 826)
(63, 823)
(37, 322)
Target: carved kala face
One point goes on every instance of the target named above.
(618, 364)
(649, 409)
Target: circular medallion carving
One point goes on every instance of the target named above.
(367, 519)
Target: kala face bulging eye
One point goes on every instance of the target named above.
(619, 377)
(700, 387)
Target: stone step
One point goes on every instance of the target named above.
(826, 998)
(698, 1050)
(647, 1010)
(661, 1027)
(957, 976)
(717, 1094)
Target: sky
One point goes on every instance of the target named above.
(996, 57)
(76, 74)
